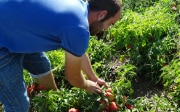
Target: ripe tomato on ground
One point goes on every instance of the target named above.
(40, 87)
(113, 106)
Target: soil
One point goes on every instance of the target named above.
(144, 88)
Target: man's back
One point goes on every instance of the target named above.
(41, 25)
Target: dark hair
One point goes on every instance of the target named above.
(112, 7)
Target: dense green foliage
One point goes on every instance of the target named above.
(150, 37)
(145, 42)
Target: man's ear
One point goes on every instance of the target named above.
(102, 14)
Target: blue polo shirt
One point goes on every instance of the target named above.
(29, 26)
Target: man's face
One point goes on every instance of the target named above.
(98, 25)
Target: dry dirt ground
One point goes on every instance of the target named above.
(143, 87)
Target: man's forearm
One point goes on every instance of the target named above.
(87, 68)
(73, 71)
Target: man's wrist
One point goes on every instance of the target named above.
(94, 79)
(86, 84)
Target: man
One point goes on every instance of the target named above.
(30, 27)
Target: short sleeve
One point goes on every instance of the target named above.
(75, 41)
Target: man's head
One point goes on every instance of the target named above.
(102, 14)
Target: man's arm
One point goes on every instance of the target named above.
(73, 71)
(73, 67)
(88, 70)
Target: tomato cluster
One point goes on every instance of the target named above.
(107, 102)
(32, 89)
(109, 105)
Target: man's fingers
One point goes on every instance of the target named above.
(106, 85)
(102, 82)
(96, 91)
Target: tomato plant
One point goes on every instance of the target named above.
(142, 43)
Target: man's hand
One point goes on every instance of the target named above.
(95, 87)
(101, 82)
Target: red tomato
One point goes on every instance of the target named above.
(113, 106)
(33, 87)
(28, 90)
(109, 95)
(103, 102)
(73, 110)
(108, 90)
(40, 87)
(130, 107)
